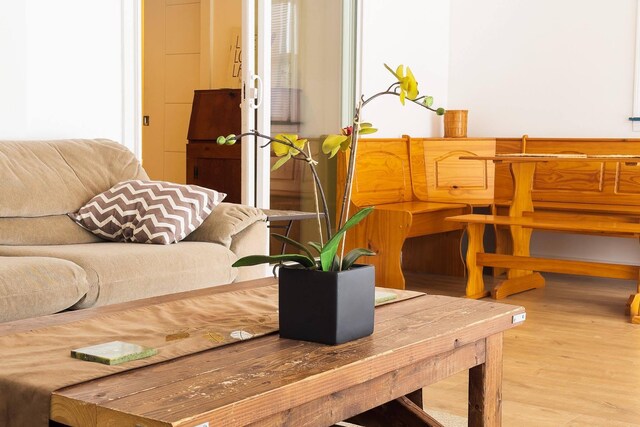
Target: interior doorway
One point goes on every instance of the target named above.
(171, 72)
(195, 44)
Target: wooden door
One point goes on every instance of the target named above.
(171, 72)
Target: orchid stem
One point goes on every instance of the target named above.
(346, 198)
(315, 199)
(310, 162)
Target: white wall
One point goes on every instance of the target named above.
(13, 79)
(409, 32)
(543, 67)
(72, 55)
(547, 68)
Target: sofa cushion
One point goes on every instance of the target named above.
(36, 286)
(118, 272)
(225, 222)
(147, 211)
(41, 178)
(45, 230)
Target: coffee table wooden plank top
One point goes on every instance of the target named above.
(273, 381)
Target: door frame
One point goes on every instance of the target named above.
(256, 101)
(131, 28)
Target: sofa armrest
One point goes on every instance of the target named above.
(225, 222)
(240, 228)
(252, 240)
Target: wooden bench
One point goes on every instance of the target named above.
(593, 195)
(414, 183)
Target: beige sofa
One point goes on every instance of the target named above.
(49, 264)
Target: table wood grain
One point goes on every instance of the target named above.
(274, 381)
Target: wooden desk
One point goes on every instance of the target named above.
(274, 381)
(522, 167)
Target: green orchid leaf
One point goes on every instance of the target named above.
(353, 255)
(292, 242)
(329, 250)
(281, 161)
(365, 125)
(263, 259)
(367, 131)
(316, 246)
(440, 111)
(335, 265)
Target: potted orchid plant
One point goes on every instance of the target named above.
(322, 274)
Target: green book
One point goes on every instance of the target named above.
(384, 296)
(113, 353)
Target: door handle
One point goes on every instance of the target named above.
(251, 93)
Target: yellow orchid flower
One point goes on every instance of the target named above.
(282, 149)
(333, 143)
(408, 83)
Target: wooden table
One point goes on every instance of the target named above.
(274, 381)
(522, 167)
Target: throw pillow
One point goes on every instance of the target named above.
(147, 211)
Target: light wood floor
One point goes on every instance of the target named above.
(574, 362)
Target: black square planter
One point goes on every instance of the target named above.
(328, 307)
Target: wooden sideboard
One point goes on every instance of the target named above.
(215, 112)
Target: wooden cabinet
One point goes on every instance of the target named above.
(215, 112)
(215, 166)
(440, 175)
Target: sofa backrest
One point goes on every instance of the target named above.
(43, 180)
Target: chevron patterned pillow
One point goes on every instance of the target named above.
(147, 211)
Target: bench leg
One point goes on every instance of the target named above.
(517, 284)
(503, 246)
(475, 282)
(521, 238)
(522, 174)
(384, 232)
(633, 308)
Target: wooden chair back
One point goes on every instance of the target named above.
(383, 172)
(439, 175)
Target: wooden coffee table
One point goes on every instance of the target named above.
(274, 381)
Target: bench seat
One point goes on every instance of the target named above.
(521, 265)
(571, 207)
(568, 224)
(414, 184)
(386, 229)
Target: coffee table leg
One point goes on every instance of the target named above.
(416, 397)
(485, 386)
